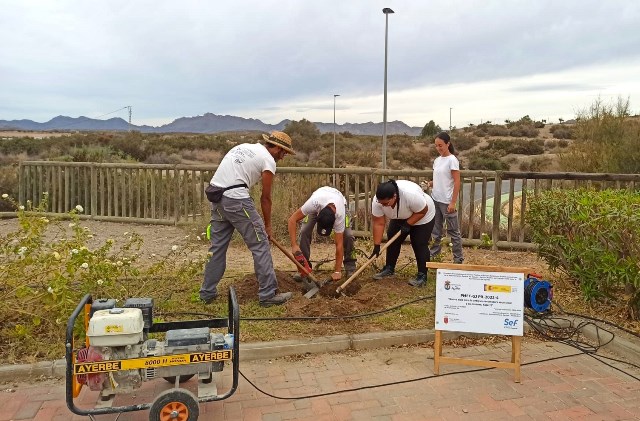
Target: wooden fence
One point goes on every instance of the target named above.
(490, 203)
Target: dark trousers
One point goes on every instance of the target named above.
(420, 236)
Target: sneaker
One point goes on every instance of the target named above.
(276, 300)
(386, 271)
(208, 300)
(419, 281)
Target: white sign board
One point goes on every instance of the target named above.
(479, 302)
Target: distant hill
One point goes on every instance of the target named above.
(207, 123)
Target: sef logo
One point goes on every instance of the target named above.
(510, 323)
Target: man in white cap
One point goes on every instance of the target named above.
(327, 208)
(233, 209)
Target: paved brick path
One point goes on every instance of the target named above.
(572, 388)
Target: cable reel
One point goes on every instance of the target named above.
(537, 293)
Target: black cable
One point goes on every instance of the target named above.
(310, 318)
(354, 389)
(598, 320)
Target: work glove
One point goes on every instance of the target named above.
(405, 228)
(376, 251)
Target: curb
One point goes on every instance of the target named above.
(623, 345)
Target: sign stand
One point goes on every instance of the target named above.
(516, 341)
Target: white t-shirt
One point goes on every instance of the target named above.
(320, 199)
(244, 163)
(412, 200)
(442, 179)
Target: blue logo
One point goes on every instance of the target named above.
(510, 323)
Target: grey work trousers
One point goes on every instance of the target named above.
(453, 230)
(306, 232)
(238, 214)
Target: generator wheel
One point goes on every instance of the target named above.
(175, 405)
(183, 378)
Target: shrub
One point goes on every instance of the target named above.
(486, 161)
(593, 237)
(44, 273)
(536, 164)
(463, 142)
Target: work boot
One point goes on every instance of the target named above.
(387, 271)
(276, 300)
(208, 300)
(350, 270)
(419, 281)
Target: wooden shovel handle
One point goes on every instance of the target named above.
(293, 259)
(367, 263)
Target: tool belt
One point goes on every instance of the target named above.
(214, 193)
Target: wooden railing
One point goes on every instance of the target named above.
(490, 202)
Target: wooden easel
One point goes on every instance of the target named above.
(516, 341)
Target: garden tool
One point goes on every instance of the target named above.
(313, 284)
(367, 263)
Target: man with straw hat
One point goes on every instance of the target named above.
(233, 209)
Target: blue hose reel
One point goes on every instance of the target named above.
(537, 293)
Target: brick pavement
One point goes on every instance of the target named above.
(572, 388)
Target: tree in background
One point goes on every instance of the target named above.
(606, 140)
(430, 129)
(303, 129)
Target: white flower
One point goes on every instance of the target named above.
(74, 251)
(119, 263)
(79, 208)
(85, 265)
(72, 224)
(56, 255)
(198, 238)
(5, 195)
(99, 282)
(22, 250)
(450, 244)
(174, 248)
(21, 207)
(50, 290)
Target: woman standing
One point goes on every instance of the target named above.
(409, 210)
(446, 186)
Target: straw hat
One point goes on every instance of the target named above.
(280, 139)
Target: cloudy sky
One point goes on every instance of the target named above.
(268, 59)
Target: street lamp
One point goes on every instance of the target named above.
(386, 12)
(334, 138)
(450, 119)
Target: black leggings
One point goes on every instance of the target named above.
(420, 236)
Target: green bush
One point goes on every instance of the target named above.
(47, 266)
(487, 161)
(591, 236)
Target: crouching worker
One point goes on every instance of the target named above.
(326, 208)
(233, 209)
(409, 210)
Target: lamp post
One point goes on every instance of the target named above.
(450, 119)
(334, 138)
(387, 11)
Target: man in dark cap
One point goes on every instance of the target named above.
(326, 208)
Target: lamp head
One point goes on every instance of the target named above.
(387, 11)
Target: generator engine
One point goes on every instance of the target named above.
(122, 333)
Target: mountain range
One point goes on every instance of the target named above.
(207, 123)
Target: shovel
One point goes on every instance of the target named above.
(305, 273)
(367, 263)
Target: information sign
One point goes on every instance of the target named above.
(480, 302)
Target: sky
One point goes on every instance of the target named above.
(452, 61)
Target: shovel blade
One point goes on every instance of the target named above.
(313, 291)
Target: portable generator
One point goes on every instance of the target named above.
(118, 355)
